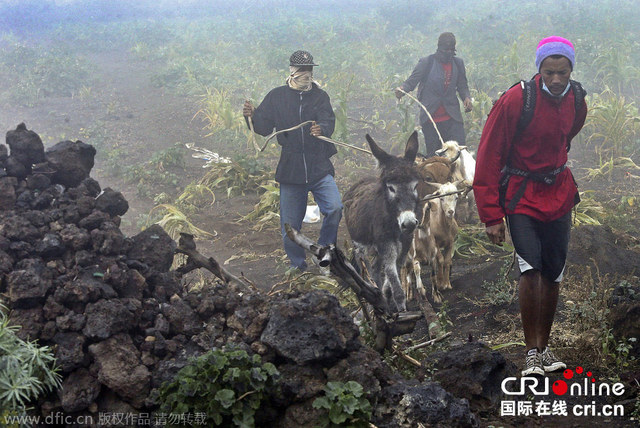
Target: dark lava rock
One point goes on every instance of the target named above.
(312, 328)
(69, 351)
(26, 146)
(106, 318)
(71, 162)
(112, 202)
(408, 404)
(79, 390)
(154, 248)
(473, 371)
(120, 368)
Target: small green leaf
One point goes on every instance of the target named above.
(225, 397)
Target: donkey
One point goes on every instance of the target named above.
(381, 214)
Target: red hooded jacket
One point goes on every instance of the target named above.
(542, 147)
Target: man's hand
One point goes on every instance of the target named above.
(496, 233)
(468, 105)
(316, 130)
(247, 109)
(399, 93)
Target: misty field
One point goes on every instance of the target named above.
(158, 88)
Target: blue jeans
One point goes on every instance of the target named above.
(293, 206)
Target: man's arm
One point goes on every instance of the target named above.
(325, 119)
(493, 151)
(416, 76)
(262, 116)
(462, 85)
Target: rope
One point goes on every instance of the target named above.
(425, 110)
(253, 136)
(430, 197)
(321, 137)
(338, 143)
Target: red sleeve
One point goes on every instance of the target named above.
(581, 116)
(493, 152)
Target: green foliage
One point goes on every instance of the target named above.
(195, 196)
(173, 157)
(176, 221)
(159, 171)
(226, 384)
(443, 321)
(472, 241)
(474, 121)
(589, 210)
(615, 69)
(345, 405)
(219, 113)
(27, 370)
(613, 125)
(30, 73)
(266, 211)
(500, 291)
(340, 108)
(241, 174)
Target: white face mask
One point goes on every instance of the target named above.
(299, 80)
(546, 89)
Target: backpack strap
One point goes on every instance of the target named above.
(578, 97)
(528, 106)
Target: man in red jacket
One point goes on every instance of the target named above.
(521, 174)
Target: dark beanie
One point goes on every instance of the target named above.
(446, 39)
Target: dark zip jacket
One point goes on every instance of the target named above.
(304, 159)
(428, 75)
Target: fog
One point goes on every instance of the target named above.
(138, 79)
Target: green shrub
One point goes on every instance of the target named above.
(226, 384)
(26, 369)
(345, 405)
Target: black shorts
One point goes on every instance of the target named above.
(541, 245)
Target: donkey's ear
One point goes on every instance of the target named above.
(411, 150)
(379, 154)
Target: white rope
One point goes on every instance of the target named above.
(425, 110)
(337, 143)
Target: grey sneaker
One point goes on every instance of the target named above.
(533, 363)
(550, 362)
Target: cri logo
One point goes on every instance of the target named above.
(560, 387)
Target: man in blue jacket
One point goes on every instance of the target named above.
(438, 77)
(304, 164)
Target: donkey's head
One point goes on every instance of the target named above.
(399, 179)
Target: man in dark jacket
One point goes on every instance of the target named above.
(521, 174)
(305, 164)
(439, 76)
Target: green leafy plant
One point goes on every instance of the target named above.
(236, 177)
(443, 321)
(345, 405)
(589, 210)
(173, 157)
(196, 196)
(219, 114)
(175, 221)
(266, 211)
(227, 384)
(500, 291)
(26, 370)
(614, 125)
